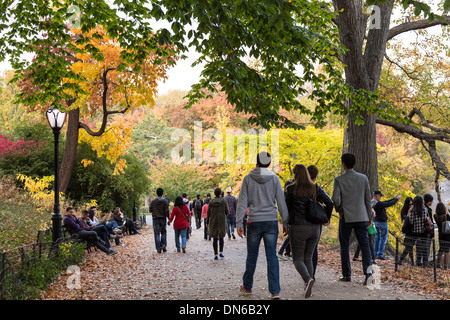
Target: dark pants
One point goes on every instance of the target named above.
(160, 233)
(219, 248)
(361, 232)
(371, 246)
(205, 228)
(198, 218)
(91, 236)
(102, 233)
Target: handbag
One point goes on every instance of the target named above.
(189, 231)
(407, 226)
(445, 227)
(315, 212)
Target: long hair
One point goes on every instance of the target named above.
(303, 185)
(418, 205)
(405, 208)
(179, 202)
(441, 211)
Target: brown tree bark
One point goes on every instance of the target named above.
(70, 151)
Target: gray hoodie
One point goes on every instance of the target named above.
(261, 193)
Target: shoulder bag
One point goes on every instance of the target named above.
(189, 231)
(315, 212)
(445, 226)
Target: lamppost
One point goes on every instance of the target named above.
(56, 120)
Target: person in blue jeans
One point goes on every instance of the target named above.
(380, 220)
(261, 192)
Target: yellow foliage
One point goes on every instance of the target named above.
(112, 144)
(38, 190)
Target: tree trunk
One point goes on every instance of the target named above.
(70, 152)
(363, 62)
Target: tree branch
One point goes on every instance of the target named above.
(416, 25)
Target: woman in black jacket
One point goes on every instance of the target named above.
(304, 234)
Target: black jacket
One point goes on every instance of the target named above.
(159, 208)
(380, 209)
(297, 206)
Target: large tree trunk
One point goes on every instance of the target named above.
(363, 62)
(70, 152)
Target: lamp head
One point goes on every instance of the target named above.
(55, 118)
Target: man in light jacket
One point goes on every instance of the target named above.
(262, 193)
(352, 197)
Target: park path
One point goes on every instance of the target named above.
(138, 272)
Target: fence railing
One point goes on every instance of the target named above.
(420, 251)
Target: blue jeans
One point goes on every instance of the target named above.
(362, 235)
(231, 221)
(159, 230)
(268, 231)
(380, 238)
(180, 233)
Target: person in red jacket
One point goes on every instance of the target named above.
(182, 216)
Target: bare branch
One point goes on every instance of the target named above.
(416, 25)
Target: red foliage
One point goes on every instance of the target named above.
(13, 148)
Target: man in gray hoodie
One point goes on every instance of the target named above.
(261, 192)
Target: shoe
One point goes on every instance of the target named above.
(233, 236)
(280, 256)
(164, 249)
(111, 252)
(308, 287)
(159, 250)
(112, 236)
(121, 245)
(381, 258)
(178, 250)
(345, 279)
(216, 258)
(221, 255)
(275, 296)
(368, 279)
(245, 291)
(184, 249)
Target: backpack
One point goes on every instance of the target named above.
(198, 204)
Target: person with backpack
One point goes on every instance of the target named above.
(198, 205)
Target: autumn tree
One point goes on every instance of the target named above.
(104, 91)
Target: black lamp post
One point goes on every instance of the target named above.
(56, 120)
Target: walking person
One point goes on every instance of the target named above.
(325, 200)
(216, 222)
(206, 236)
(262, 193)
(197, 205)
(303, 233)
(159, 208)
(441, 216)
(380, 221)
(231, 216)
(418, 218)
(351, 197)
(409, 241)
(180, 217)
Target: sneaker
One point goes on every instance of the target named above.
(184, 249)
(221, 255)
(216, 258)
(275, 296)
(281, 257)
(245, 291)
(308, 287)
